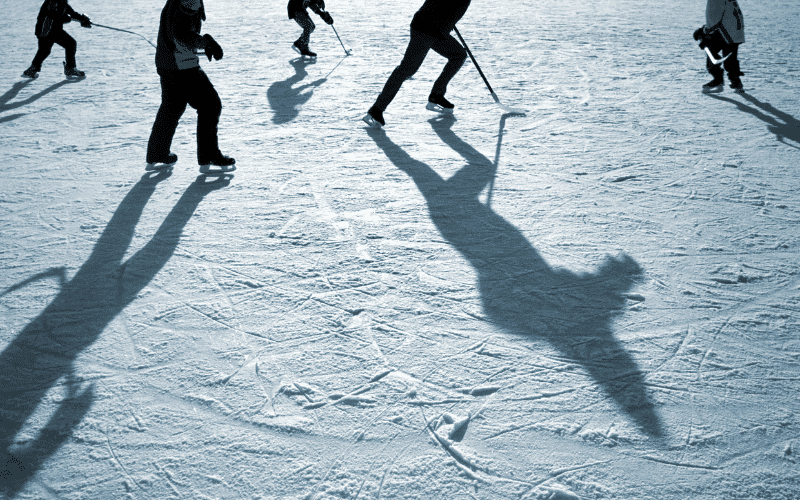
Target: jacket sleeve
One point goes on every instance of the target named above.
(317, 6)
(185, 29)
(69, 11)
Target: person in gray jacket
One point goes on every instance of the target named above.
(723, 31)
(184, 82)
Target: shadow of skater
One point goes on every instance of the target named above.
(17, 87)
(42, 355)
(519, 291)
(783, 125)
(286, 99)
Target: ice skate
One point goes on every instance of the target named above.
(161, 163)
(439, 104)
(31, 72)
(374, 118)
(736, 85)
(714, 86)
(73, 72)
(217, 164)
(303, 51)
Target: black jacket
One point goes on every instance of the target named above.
(296, 6)
(439, 17)
(53, 15)
(179, 36)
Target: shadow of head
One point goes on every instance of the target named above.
(568, 315)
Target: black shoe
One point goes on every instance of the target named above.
(303, 51)
(30, 72)
(225, 164)
(162, 162)
(714, 86)
(72, 71)
(374, 117)
(736, 85)
(439, 104)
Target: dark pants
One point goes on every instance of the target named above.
(305, 22)
(179, 88)
(716, 44)
(60, 37)
(418, 48)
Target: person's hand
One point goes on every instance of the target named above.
(212, 48)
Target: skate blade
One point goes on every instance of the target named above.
(439, 109)
(713, 90)
(214, 169)
(154, 167)
(372, 122)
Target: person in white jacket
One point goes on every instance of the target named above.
(723, 31)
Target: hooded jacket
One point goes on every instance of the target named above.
(179, 35)
(53, 15)
(437, 18)
(726, 17)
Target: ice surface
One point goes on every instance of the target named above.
(599, 300)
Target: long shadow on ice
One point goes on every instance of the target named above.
(285, 99)
(17, 87)
(782, 124)
(41, 357)
(519, 290)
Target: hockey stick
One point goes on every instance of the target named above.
(713, 60)
(346, 51)
(125, 31)
(507, 109)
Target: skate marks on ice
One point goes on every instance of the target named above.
(41, 357)
(780, 123)
(6, 105)
(519, 290)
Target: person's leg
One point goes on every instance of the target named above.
(714, 44)
(62, 38)
(204, 98)
(418, 47)
(45, 46)
(732, 65)
(173, 104)
(302, 18)
(455, 54)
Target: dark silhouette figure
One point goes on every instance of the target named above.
(519, 290)
(782, 124)
(17, 87)
(286, 99)
(41, 356)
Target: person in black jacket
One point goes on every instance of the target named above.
(430, 29)
(297, 11)
(53, 15)
(182, 83)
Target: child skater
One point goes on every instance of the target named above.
(184, 83)
(53, 15)
(297, 11)
(724, 30)
(430, 29)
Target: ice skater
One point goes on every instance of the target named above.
(298, 12)
(430, 29)
(184, 82)
(723, 31)
(53, 15)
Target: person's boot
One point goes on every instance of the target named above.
(31, 72)
(73, 72)
(714, 86)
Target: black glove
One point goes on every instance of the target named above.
(84, 20)
(699, 33)
(326, 17)
(212, 48)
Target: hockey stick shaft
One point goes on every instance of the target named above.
(713, 59)
(340, 40)
(469, 52)
(125, 31)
